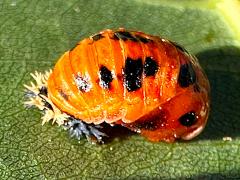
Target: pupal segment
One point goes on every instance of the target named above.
(37, 96)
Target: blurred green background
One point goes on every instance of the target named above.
(34, 33)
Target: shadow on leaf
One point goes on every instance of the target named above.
(117, 131)
(234, 174)
(222, 67)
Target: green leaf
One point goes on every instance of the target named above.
(34, 33)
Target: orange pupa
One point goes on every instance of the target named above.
(148, 84)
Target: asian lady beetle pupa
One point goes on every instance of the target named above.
(143, 82)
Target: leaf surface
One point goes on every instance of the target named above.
(34, 33)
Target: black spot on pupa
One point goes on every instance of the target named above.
(133, 74)
(143, 39)
(188, 119)
(63, 94)
(187, 75)
(124, 35)
(105, 77)
(150, 67)
(43, 91)
(181, 48)
(97, 37)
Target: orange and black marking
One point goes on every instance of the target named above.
(146, 83)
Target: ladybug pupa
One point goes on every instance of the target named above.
(148, 84)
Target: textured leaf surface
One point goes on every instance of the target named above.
(34, 33)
